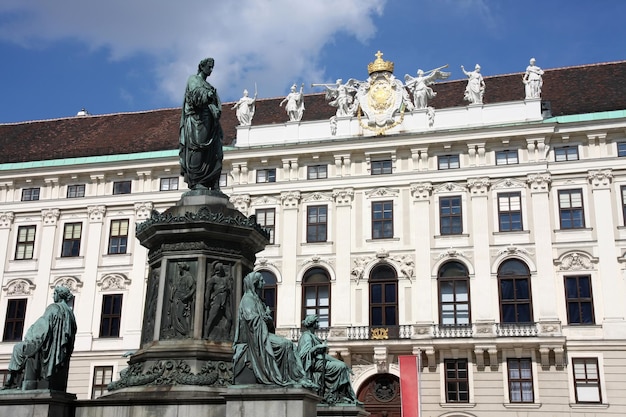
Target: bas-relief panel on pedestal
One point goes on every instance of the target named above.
(179, 299)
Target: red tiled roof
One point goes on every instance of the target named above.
(572, 90)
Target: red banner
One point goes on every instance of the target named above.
(409, 385)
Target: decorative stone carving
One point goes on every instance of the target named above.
(266, 263)
(96, 213)
(241, 202)
(430, 114)
(451, 253)
(380, 359)
(290, 199)
(574, 261)
(174, 372)
(177, 319)
(382, 253)
(533, 80)
(539, 182)
(295, 104)
(478, 186)
(19, 286)
(317, 196)
(475, 89)
(449, 187)
(6, 219)
(50, 216)
(316, 260)
(218, 302)
(343, 197)
(421, 191)
(513, 250)
(263, 201)
(406, 264)
(143, 210)
(359, 267)
(245, 108)
(70, 282)
(419, 85)
(113, 282)
(600, 178)
(382, 192)
(508, 183)
(341, 96)
(150, 308)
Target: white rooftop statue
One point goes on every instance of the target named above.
(419, 85)
(295, 104)
(245, 108)
(475, 89)
(341, 96)
(533, 80)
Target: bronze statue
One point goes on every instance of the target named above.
(43, 356)
(200, 140)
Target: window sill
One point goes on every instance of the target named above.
(383, 239)
(512, 232)
(522, 406)
(457, 405)
(326, 242)
(451, 236)
(574, 229)
(588, 406)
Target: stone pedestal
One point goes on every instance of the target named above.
(264, 401)
(199, 251)
(341, 411)
(36, 403)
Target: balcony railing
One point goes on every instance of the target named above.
(447, 331)
(403, 331)
(516, 329)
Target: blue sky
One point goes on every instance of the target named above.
(123, 56)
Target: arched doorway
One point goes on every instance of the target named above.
(381, 396)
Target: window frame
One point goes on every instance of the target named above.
(623, 192)
(566, 153)
(513, 381)
(165, 184)
(31, 194)
(621, 149)
(586, 382)
(448, 161)
(76, 191)
(517, 302)
(118, 241)
(317, 231)
(99, 382)
(383, 276)
(511, 157)
(122, 187)
(269, 292)
(223, 181)
(381, 167)
(26, 244)
(457, 380)
(455, 302)
(579, 301)
(447, 226)
(262, 221)
(70, 247)
(314, 172)
(505, 217)
(572, 212)
(317, 279)
(265, 175)
(111, 318)
(15, 318)
(382, 228)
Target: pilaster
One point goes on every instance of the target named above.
(481, 287)
(290, 202)
(342, 235)
(422, 288)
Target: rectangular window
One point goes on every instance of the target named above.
(118, 239)
(14, 323)
(76, 191)
(316, 172)
(621, 149)
(102, 376)
(266, 175)
(71, 239)
(566, 153)
(316, 223)
(508, 157)
(587, 380)
(111, 315)
(623, 189)
(454, 302)
(382, 220)
(579, 300)
(520, 381)
(450, 216)
(510, 212)
(381, 167)
(457, 381)
(122, 187)
(223, 179)
(571, 213)
(30, 194)
(448, 162)
(25, 242)
(267, 219)
(169, 184)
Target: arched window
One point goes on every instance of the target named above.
(514, 289)
(383, 284)
(268, 293)
(454, 301)
(316, 295)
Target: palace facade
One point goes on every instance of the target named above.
(487, 239)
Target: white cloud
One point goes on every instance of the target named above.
(271, 42)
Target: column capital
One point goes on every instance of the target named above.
(50, 216)
(421, 190)
(241, 202)
(600, 179)
(6, 219)
(290, 199)
(478, 186)
(143, 210)
(96, 213)
(539, 182)
(343, 196)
